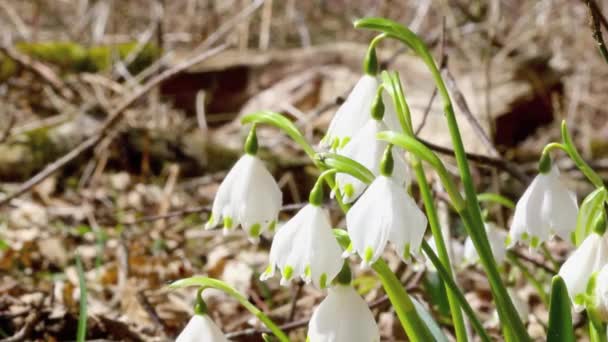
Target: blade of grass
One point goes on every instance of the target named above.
(82, 316)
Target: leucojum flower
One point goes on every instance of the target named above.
(249, 196)
(367, 150)
(588, 258)
(201, 327)
(343, 316)
(305, 246)
(396, 217)
(354, 112)
(547, 207)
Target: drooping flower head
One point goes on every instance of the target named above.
(343, 316)
(547, 207)
(201, 328)
(385, 212)
(367, 150)
(305, 246)
(588, 258)
(249, 196)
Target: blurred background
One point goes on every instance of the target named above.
(118, 120)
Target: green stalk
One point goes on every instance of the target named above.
(414, 327)
(597, 334)
(472, 215)
(448, 279)
(406, 125)
(222, 286)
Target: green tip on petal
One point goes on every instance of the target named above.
(210, 221)
(525, 236)
(272, 226)
(307, 271)
(268, 269)
(323, 281)
(228, 222)
(349, 190)
(406, 251)
(255, 230)
(344, 141)
(508, 240)
(368, 255)
(287, 272)
(534, 242)
(335, 143)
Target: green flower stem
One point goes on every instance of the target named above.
(405, 119)
(496, 198)
(597, 333)
(472, 215)
(222, 286)
(549, 256)
(593, 177)
(528, 275)
(414, 327)
(448, 279)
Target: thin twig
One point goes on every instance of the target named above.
(596, 30)
(113, 118)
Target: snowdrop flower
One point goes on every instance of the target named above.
(201, 328)
(367, 150)
(352, 114)
(385, 212)
(546, 207)
(588, 258)
(343, 316)
(306, 246)
(497, 238)
(249, 196)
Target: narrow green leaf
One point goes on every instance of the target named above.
(430, 322)
(560, 316)
(81, 333)
(591, 210)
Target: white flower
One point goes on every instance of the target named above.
(201, 328)
(352, 114)
(248, 196)
(343, 316)
(588, 258)
(601, 294)
(385, 212)
(546, 207)
(497, 238)
(306, 246)
(367, 150)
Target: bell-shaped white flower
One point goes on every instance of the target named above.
(547, 207)
(248, 196)
(343, 316)
(352, 114)
(497, 238)
(201, 328)
(367, 150)
(305, 246)
(385, 212)
(588, 258)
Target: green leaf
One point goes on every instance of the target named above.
(591, 210)
(437, 295)
(560, 316)
(81, 332)
(429, 321)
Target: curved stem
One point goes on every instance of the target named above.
(405, 119)
(496, 198)
(593, 177)
(222, 286)
(451, 284)
(414, 327)
(472, 215)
